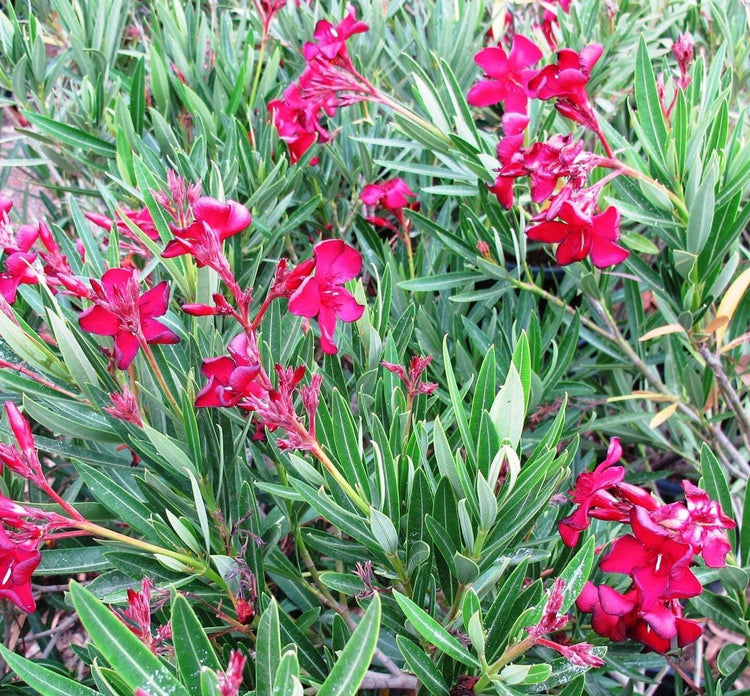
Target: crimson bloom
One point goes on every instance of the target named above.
(231, 378)
(18, 560)
(24, 459)
(656, 561)
(580, 235)
(508, 75)
(16, 245)
(331, 40)
(322, 295)
(121, 311)
(214, 222)
(392, 195)
(566, 82)
(701, 524)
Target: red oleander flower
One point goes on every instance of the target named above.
(16, 246)
(331, 40)
(232, 378)
(322, 295)
(566, 82)
(413, 381)
(508, 75)
(392, 194)
(591, 491)
(121, 311)
(701, 524)
(657, 562)
(580, 235)
(125, 407)
(18, 560)
(214, 222)
(619, 616)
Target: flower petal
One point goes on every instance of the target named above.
(305, 300)
(100, 321)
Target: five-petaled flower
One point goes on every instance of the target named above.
(508, 75)
(579, 235)
(323, 295)
(119, 310)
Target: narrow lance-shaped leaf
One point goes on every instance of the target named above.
(138, 667)
(350, 669)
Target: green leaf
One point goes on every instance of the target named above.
(522, 362)
(702, 210)
(576, 574)
(267, 650)
(731, 657)
(650, 114)
(138, 95)
(117, 499)
(422, 666)
(350, 669)
(508, 410)
(459, 411)
(86, 559)
(134, 663)
(193, 649)
(715, 483)
(45, 681)
(432, 631)
(525, 674)
(71, 136)
(286, 681)
(384, 531)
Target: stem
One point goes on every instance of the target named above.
(188, 561)
(259, 65)
(731, 395)
(553, 299)
(740, 466)
(266, 304)
(325, 596)
(678, 203)
(326, 461)
(160, 377)
(64, 504)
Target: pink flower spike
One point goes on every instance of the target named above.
(231, 680)
(323, 295)
(508, 75)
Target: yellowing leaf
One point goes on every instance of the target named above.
(663, 415)
(641, 394)
(720, 322)
(732, 297)
(662, 331)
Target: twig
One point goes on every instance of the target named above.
(380, 680)
(729, 392)
(65, 623)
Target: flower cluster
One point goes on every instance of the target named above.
(137, 617)
(314, 288)
(329, 81)
(657, 556)
(568, 215)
